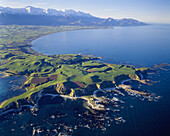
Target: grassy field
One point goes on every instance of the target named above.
(73, 70)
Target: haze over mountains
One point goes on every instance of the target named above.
(38, 16)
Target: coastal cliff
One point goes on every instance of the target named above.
(61, 90)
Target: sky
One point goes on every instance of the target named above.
(153, 11)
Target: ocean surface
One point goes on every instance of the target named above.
(138, 46)
(10, 87)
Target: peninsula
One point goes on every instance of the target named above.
(72, 76)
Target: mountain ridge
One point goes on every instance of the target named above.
(30, 10)
(52, 17)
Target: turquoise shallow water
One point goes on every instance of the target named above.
(139, 46)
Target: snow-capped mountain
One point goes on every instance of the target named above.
(54, 12)
(29, 10)
(38, 16)
(34, 11)
(7, 10)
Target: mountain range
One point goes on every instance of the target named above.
(38, 16)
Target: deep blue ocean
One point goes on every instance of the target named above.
(138, 46)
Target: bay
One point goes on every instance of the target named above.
(140, 46)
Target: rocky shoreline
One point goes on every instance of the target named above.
(32, 101)
(101, 110)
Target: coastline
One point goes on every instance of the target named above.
(30, 50)
(94, 107)
(27, 49)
